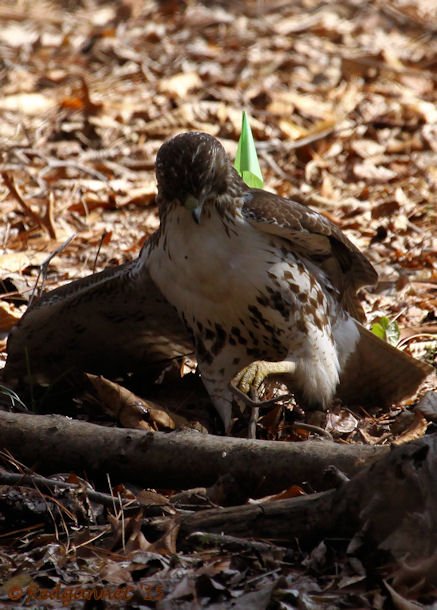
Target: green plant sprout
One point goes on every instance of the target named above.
(246, 160)
(387, 330)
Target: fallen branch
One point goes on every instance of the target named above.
(391, 504)
(37, 481)
(178, 460)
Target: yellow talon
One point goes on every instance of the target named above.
(247, 382)
(251, 377)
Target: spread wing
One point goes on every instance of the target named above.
(316, 239)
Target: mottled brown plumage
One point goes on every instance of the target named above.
(315, 238)
(110, 323)
(256, 277)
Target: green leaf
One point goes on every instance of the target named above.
(246, 161)
(387, 330)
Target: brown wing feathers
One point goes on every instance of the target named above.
(318, 240)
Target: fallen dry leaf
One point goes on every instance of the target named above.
(13, 262)
(131, 410)
(427, 406)
(416, 430)
(180, 84)
(27, 103)
(373, 173)
(9, 315)
(367, 148)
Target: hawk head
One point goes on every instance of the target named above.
(191, 169)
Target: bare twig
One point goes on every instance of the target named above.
(41, 222)
(36, 480)
(56, 163)
(43, 269)
(102, 239)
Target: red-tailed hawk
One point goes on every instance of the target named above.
(265, 285)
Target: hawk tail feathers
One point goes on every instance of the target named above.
(378, 373)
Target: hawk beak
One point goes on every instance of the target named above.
(194, 205)
(197, 212)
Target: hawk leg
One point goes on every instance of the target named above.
(246, 385)
(248, 381)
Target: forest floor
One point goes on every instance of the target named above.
(342, 103)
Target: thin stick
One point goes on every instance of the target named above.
(10, 184)
(32, 480)
(104, 234)
(43, 269)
